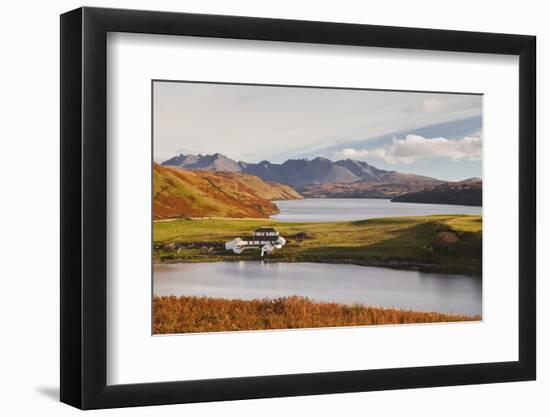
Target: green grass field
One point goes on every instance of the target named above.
(443, 243)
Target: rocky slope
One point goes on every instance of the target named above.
(215, 162)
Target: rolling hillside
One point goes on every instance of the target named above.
(181, 193)
(397, 184)
(439, 243)
(467, 193)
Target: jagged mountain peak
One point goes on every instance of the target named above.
(214, 162)
(297, 173)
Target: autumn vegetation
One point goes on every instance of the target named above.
(187, 314)
(180, 193)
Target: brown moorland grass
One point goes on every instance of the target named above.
(188, 314)
(179, 193)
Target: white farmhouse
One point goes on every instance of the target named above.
(266, 238)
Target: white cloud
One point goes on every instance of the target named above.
(253, 123)
(414, 147)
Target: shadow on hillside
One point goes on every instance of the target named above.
(409, 243)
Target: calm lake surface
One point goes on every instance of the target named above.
(336, 209)
(346, 284)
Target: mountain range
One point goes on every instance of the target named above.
(318, 177)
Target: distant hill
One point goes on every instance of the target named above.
(364, 189)
(184, 193)
(316, 177)
(466, 193)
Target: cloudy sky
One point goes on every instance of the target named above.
(425, 133)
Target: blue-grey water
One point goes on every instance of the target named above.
(339, 283)
(335, 209)
(346, 284)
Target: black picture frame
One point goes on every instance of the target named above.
(84, 207)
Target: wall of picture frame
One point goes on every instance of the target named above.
(85, 222)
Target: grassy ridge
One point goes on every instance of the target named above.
(200, 314)
(450, 243)
(182, 193)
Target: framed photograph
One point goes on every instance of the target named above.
(257, 208)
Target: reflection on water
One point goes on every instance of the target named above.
(336, 209)
(345, 284)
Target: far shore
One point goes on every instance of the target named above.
(211, 218)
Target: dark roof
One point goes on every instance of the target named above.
(260, 238)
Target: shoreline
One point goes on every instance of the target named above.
(394, 264)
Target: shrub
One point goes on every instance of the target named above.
(445, 242)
